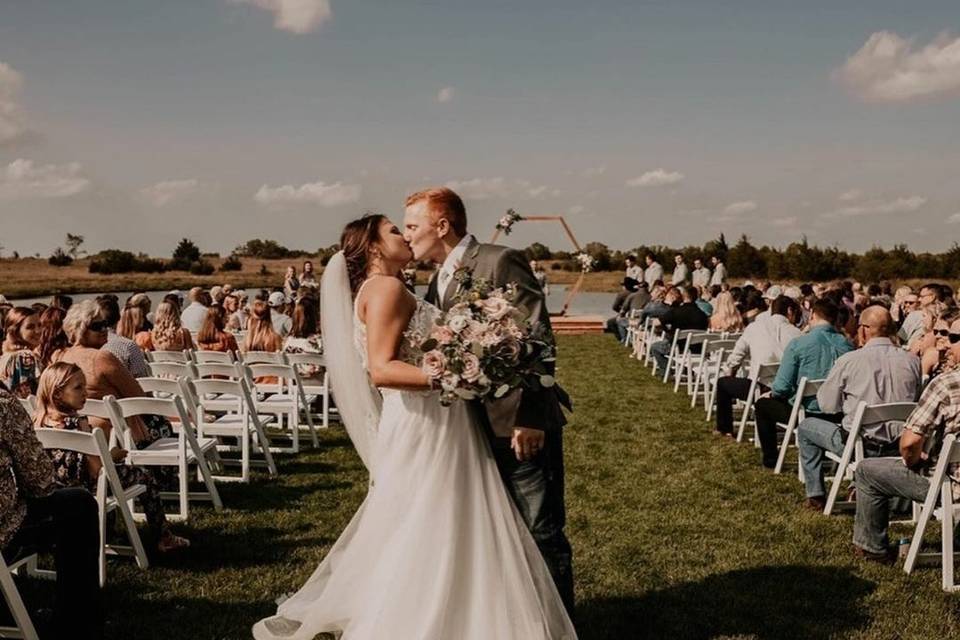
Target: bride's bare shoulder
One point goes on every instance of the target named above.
(385, 293)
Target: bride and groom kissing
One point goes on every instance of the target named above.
(461, 534)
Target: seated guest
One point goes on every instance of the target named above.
(167, 333)
(52, 337)
(140, 301)
(61, 301)
(913, 324)
(626, 301)
(628, 286)
(33, 514)
(704, 301)
(281, 321)
(61, 395)
(763, 342)
(941, 355)
(725, 316)
(192, 317)
(658, 304)
(132, 322)
(752, 305)
(305, 335)
(811, 356)
(128, 353)
(213, 335)
(260, 333)
(878, 372)
(686, 315)
(18, 362)
(879, 481)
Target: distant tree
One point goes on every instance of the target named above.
(324, 254)
(74, 243)
(600, 254)
(232, 263)
(60, 258)
(186, 251)
(716, 248)
(745, 260)
(537, 251)
(950, 262)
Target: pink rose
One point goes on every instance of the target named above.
(495, 308)
(471, 368)
(434, 363)
(443, 335)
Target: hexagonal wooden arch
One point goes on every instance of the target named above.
(572, 293)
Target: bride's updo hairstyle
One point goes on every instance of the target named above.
(357, 242)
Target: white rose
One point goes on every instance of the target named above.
(457, 323)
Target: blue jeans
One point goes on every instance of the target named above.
(879, 483)
(661, 354)
(815, 436)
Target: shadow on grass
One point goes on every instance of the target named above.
(768, 603)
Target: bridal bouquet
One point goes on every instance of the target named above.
(483, 347)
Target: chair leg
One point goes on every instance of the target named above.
(17, 609)
(928, 506)
(782, 456)
(946, 503)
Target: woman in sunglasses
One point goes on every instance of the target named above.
(944, 355)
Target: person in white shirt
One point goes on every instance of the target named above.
(680, 272)
(763, 341)
(196, 312)
(701, 275)
(634, 270)
(282, 323)
(719, 272)
(653, 272)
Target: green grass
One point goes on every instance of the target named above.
(676, 534)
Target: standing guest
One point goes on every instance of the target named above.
(18, 362)
(62, 301)
(290, 282)
(126, 350)
(142, 302)
(653, 272)
(719, 271)
(213, 335)
(808, 356)
(305, 335)
(680, 272)
(167, 333)
(633, 270)
(686, 315)
(726, 316)
(282, 322)
(260, 333)
(61, 396)
(192, 317)
(307, 277)
(34, 514)
(877, 373)
(52, 337)
(763, 342)
(701, 274)
(132, 322)
(541, 275)
(879, 481)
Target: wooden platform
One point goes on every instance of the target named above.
(577, 325)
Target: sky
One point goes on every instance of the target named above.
(138, 123)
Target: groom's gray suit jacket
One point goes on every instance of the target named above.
(539, 409)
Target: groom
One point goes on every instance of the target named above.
(529, 455)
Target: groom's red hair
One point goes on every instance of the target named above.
(443, 203)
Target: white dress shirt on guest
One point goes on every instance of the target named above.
(635, 272)
(193, 316)
(701, 277)
(763, 341)
(653, 273)
(719, 274)
(680, 273)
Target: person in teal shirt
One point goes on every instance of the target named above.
(809, 356)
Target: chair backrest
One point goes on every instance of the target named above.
(224, 389)
(810, 388)
(698, 338)
(266, 357)
(282, 371)
(165, 387)
(207, 369)
(713, 346)
(767, 372)
(316, 359)
(168, 356)
(95, 409)
(173, 369)
(73, 440)
(29, 404)
(202, 357)
(886, 412)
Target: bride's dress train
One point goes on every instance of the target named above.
(437, 550)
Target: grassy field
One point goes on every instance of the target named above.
(676, 534)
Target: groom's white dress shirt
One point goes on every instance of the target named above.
(450, 265)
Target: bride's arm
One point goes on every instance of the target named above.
(386, 310)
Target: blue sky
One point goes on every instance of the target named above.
(137, 123)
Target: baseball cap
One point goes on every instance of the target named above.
(773, 292)
(276, 299)
(793, 293)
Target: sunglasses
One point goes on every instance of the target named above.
(954, 338)
(98, 326)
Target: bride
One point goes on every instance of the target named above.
(437, 550)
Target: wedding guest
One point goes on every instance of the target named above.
(877, 373)
(216, 295)
(657, 306)
(281, 321)
(18, 361)
(636, 300)
(653, 272)
(879, 481)
(61, 395)
(944, 354)
(142, 302)
(701, 275)
(61, 301)
(913, 324)
(132, 322)
(726, 316)
(52, 337)
(192, 317)
(307, 277)
(167, 333)
(719, 271)
(305, 336)
(686, 315)
(234, 305)
(126, 350)
(633, 270)
(213, 335)
(810, 355)
(680, 271)
(290, 282)
(752, 305)
(35, 515)
(627, 287)
(260, 333)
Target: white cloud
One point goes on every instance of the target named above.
(499, 187)
(898, 205)
(12, 127)
(888, 69)
(22, 180)
(784, 222)
(850, 196)
(954, 219)
(736, 208)
(318, 193)
(295, 16)
(593, 172)
(445, 95)
(168, 191)
(656, 178)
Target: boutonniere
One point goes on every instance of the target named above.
(463, 276)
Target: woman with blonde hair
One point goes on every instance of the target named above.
(213, 335)
(260, 333)
(132, 321)
(726, 316)
(18, 363)
(168, 334)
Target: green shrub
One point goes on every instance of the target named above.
(60, 258)
(202, 268)
(232, 263)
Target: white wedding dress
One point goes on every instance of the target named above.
(437, 550)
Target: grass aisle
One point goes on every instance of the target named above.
(676, 534)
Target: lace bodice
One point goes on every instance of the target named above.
(420, 324)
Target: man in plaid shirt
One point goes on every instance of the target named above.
(880, 481)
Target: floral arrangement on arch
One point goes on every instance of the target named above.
(587, 262)
(506, 222)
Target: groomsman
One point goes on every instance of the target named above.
(653, 273)
(719, 271)
(633, 270)
(701, 274)
(680, 272)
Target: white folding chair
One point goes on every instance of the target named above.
(310, 388)
(168, 356)
(29, 404)
(941, 486)
(679, 336)
(172, 369)
(633, 326)
(709, 361)
(853, 447)
(242, 423)
(21, 618)
(261, 357)
(181, 451)
(640, 338)
(684, 372)
(765, 375)
(110, 494)
(805, 389)
(283, 398)
(221, 357)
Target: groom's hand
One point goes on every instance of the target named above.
(527, 443)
